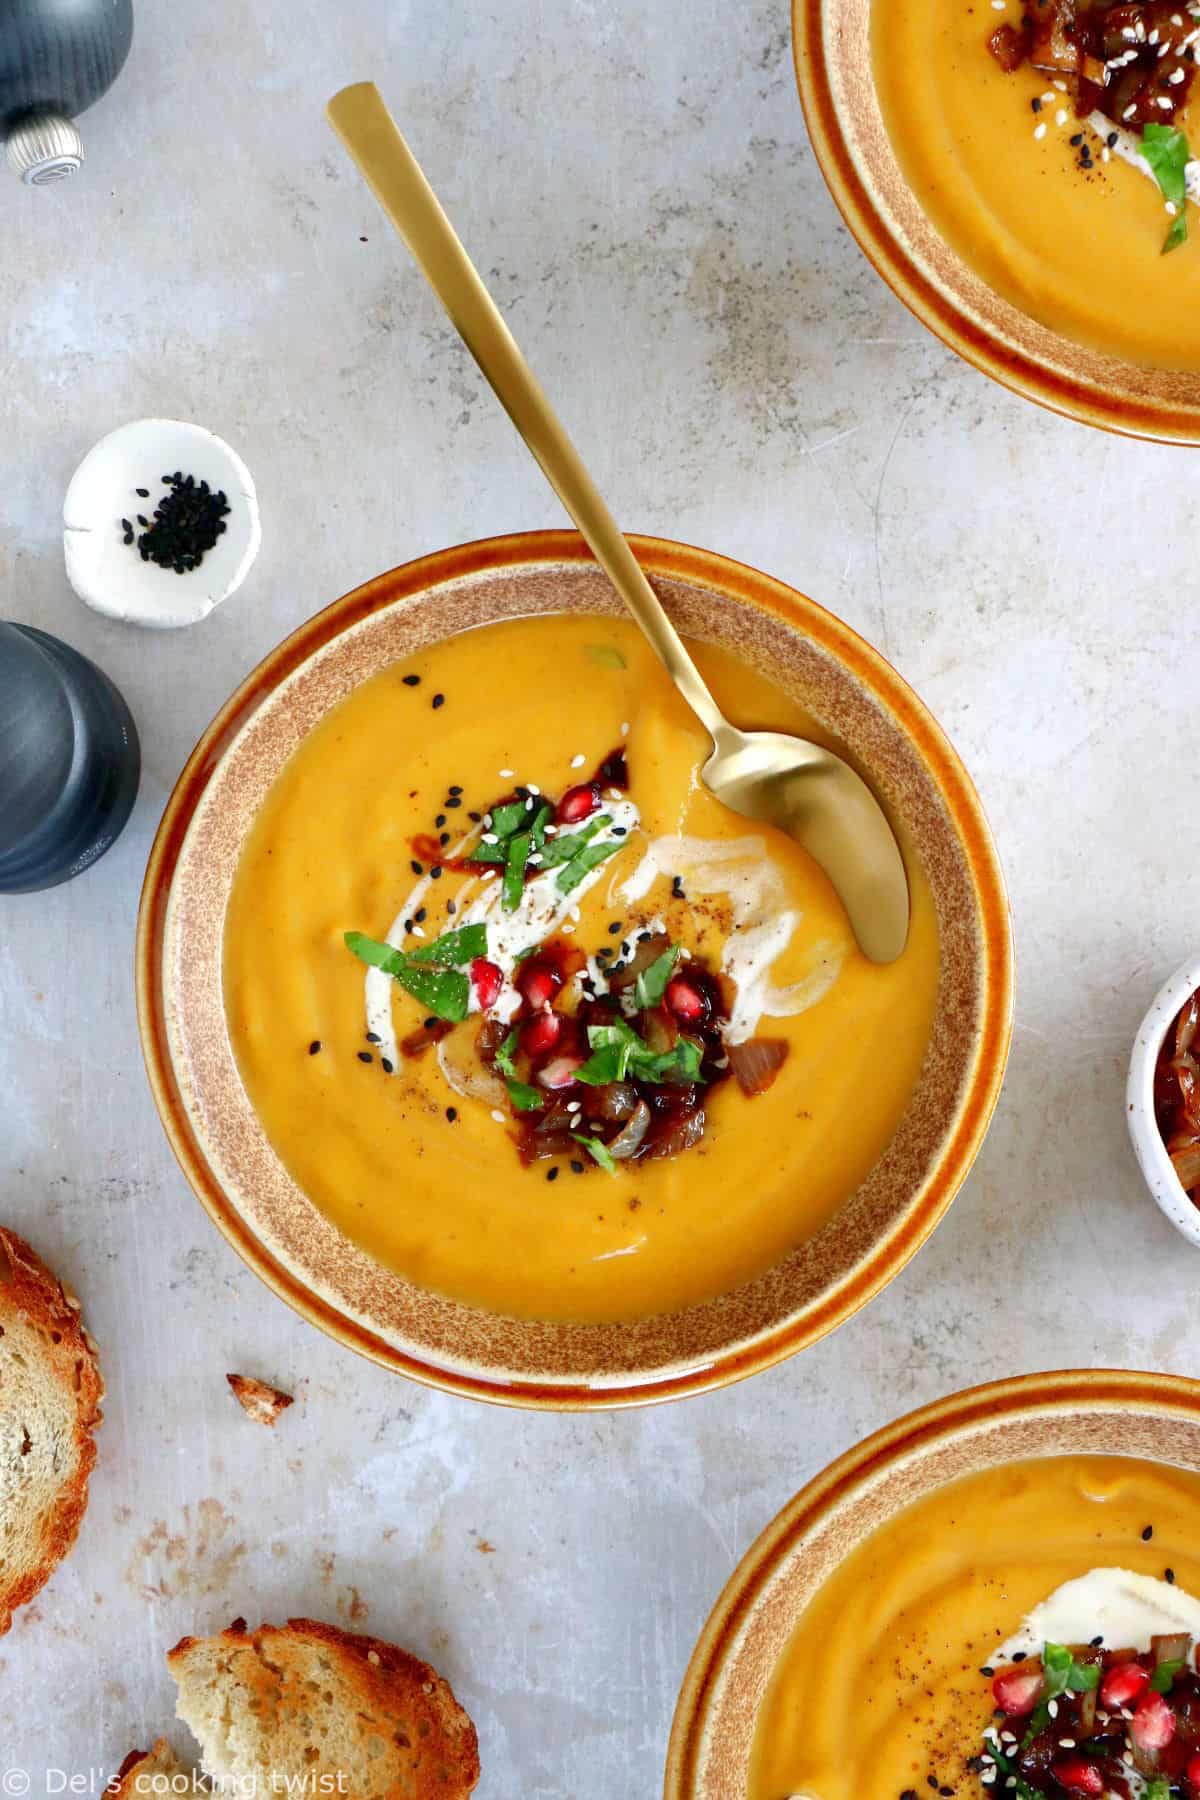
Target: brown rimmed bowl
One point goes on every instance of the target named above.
(297, 1251)
(1082, 1411)
(832, 47)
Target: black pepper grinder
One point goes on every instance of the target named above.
(56, 58)
(69, 761)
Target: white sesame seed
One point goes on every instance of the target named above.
(534, 788)
(1052, 1709)
(1127, 31)
(1048, 99)
(1039, 131)
(577, 762)
(1060, 118)
(988, 1777)
(497, 1115)
(1176, 19)
(1129, 112)
(488, 875)
(418, 931)
(1066, 1743)
(1176, 77)
(551, 830)
(1165, 101)
(1170, 207)
(625, 728)
(1153, 38)
(1106, 154)
(489, 837)
(568, 931)
(1127, 1759)
(574, 914)
(505, 774)
(1060, 85)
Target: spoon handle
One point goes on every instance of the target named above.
(372, 137)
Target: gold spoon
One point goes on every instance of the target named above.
(803, 789)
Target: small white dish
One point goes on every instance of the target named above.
(109, 574)
(1148, 1146)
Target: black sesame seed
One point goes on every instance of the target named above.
(677, 887)
(451, 908)
(439, 821)
(444, 838)
(577, 1166)
(411, 680)
(454, 789)
(475, 818)
(946, 1792)
(619, 831)
(435, 874)
(1097, 1641)
(431, 1021)
(373, 1037)
(1147, 1534)
(522, 793)
(1036, 105)
(454, 801)
(365, 1056)
(909, 1794)
(420, 915)
(314, 1047)
(142, 519)
(416, 867)
(932, 1781)
(126, 525)
(408, 925)
(389, 1068)
(142, 493)
(452, 1113)
(438, 700)
(1020, 1655)
(615, 928)
(551, 1174)
(986, 1671)
(1111, 139)
(1076, 140)
(1169, 1577)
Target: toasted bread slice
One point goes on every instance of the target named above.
(50, 1394)
(136, 1774)
(307, 1700)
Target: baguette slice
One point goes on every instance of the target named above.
(308, 1700)
(136, 1774)
(50, 1394)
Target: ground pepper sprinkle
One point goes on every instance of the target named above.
(187, 522)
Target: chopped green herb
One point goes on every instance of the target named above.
(504, 1055)
(563, 849)
(1008, 1768)
(652, 982)
(597, 1151)
(516, 856)
(1158, 1789)
(584, 863)
(1064, 1675)
(618, 1051)
(443, 992)
(486, 853)
(680, 1064)
(537, 830)
(508, 818)
(606, 655)
(454, 948)
(524, 1097)
(1166, 150)
(1163, 1677)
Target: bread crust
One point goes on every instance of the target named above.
(386, 1680)
(160, 1759)
(32, 1296)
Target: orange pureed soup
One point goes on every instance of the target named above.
(427, 1178)
(881, 1691)
(1077, 248)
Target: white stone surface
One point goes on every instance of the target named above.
(635, 179)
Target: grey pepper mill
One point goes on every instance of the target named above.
(69, 761)
(56, 58)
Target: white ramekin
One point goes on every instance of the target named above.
(1148, 1146)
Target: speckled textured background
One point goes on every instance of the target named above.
(634, 179)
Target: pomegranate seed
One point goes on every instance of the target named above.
(1192, 1776)
(538, 983)
(1016, 1691)
(578, 803)
(541, 1033)
(1153, 1724)
(1078, 1775)
(1123, 1684)
(560, 1073)
(684, 999)
(485, 979)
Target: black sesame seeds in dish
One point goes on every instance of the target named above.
(186, 523)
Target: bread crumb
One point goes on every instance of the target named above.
(257, 1400)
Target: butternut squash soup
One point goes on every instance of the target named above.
(1051, 146)
(1030, 1629)
(528, 1014)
